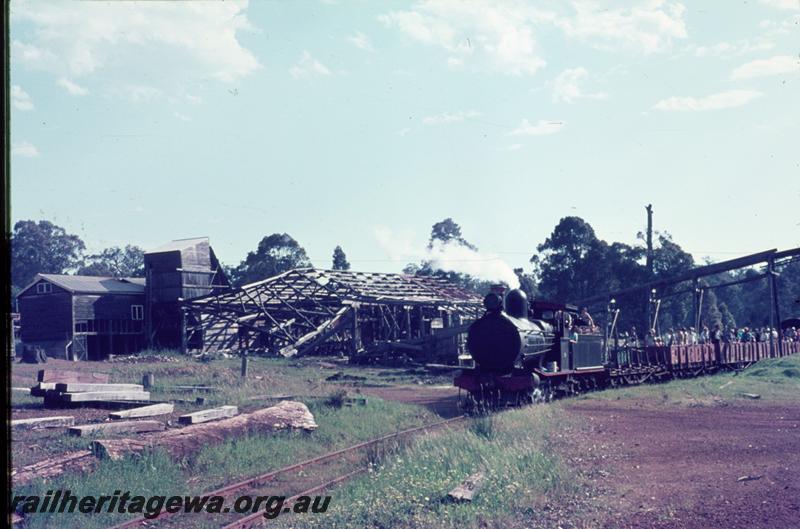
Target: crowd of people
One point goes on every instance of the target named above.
(688, 335)
(731, 334)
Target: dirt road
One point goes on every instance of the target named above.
(660, 466)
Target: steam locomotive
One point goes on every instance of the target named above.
(533, 352)
(524, 353)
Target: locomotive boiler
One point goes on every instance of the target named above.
(504, 340)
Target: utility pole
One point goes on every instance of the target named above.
(649, 259)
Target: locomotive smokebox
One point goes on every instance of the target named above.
(494, 342)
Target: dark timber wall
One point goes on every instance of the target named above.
(79, 325)
(46, 320)
(181, 270)
(104, 324)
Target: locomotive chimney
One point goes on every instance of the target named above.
(498, 288)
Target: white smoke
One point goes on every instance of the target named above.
(448, 257)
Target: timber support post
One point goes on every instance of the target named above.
(774, 309)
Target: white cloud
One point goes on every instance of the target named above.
(541, 128)
(359, 40)
(649, 27)
(79, 39)
(780, 28)
(20, 98)
(728, 99)
(728, 49)
(783, 4)
(141, 93)
(403, 131)
(450, 117)
(566, 87)
(513, 147)
(308, 66)
(181, 116)
(779, 64)
(501, 35)
(73, 89)
(24, 149)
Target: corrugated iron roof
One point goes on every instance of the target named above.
(95, 284)
(397, 287)
(351, 286)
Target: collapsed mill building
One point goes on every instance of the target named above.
(356, 314)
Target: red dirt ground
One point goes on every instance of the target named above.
(679, 468)
(656, 466)
(441, 400)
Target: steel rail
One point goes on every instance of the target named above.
(257, 518)
(263, 478)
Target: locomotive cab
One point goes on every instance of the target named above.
(583, 350)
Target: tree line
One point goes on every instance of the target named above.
(572, 263)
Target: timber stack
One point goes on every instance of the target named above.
(67, 387)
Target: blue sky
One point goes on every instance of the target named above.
(363, 123)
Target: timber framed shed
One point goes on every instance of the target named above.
(83, 317)
(332, 311)
(179, 270)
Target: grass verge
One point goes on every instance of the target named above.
(157, 474)
(770, 379)
(408, 489)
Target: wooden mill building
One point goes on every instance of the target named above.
(91, 317)
(83, 317)
(177, 271)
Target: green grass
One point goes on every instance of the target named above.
(301, 377)
(214, 466)
(408, 488)
(771, 379)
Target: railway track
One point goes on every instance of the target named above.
(340, 462)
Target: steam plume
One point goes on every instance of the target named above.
(448, 257)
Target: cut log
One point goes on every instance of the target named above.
(42, 422)
(208, 415)
(80, 387)
(117, 427)
(21, 390)
(468, 488)
(144, 411)
(90, 396)
(187, 441)
(58, 375)
(72, 461)
(753, 396)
